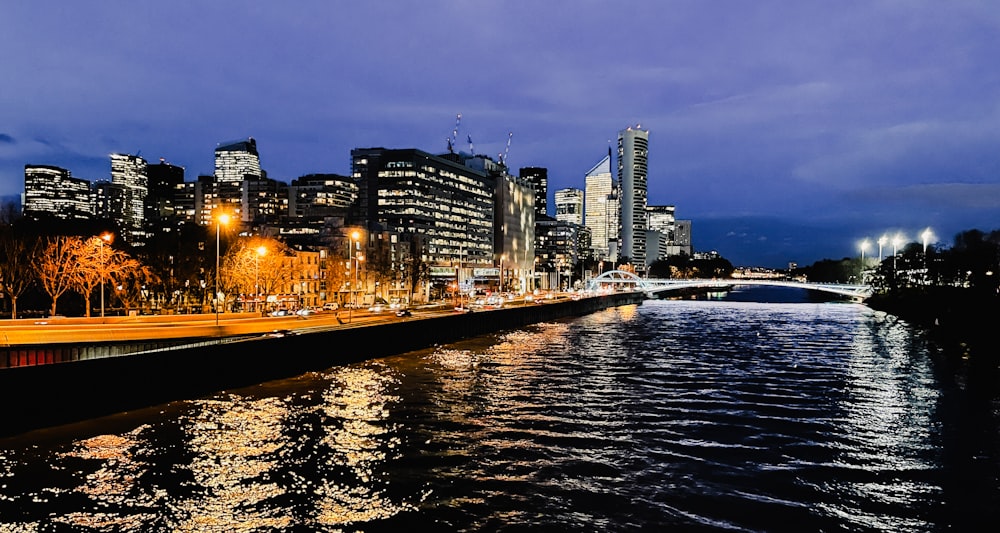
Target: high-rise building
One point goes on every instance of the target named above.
(51, 192)
(633, 151)
(598, 203)
(661, 218)
(538, 177)
(129, 172)
(682, 237)
(569, 205)
(166, 184)
(443, 202)
(237, 160)
(318, 195)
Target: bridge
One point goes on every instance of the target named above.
(621, 279)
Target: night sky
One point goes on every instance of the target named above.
(786, 131)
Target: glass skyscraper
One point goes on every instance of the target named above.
(598, 206)
(633, 150)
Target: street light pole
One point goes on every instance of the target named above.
(354, 287)
(896, 241)
(105, 239)
(222, 219)
(261, 252)
(881, 242)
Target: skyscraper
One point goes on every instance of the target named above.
(51, 192)
(165, 183)
(237, 160)
(538, 177)
(598, 187)
(129, 172)
(569, 205)
(633, 151)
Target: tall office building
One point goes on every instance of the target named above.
(538, 177)
(237, 160)
(51, 192)
(633, 151)
(129, 171)
(661, 218)
(598, 202)
(447, 204)
(319, 195)
(569, 205)
(166, 183)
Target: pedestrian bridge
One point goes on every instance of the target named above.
(620, 279)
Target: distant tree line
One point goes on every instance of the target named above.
(972, 262)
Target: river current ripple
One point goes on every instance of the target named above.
(667, 416)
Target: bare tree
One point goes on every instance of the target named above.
(17, 264)
(134, 278)
(57, 265)
(256, 265)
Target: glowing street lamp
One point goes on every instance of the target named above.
(864, 246)
(355, 237)
(926, 236)
(881, 242)
(221, 220)
(897, 240)
(105, 240)
(261, 252)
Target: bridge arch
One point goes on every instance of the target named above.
(617, 278)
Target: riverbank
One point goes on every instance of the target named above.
(962, 323)
(53, 394)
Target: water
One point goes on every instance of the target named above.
(669, 416)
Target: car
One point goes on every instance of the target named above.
(331, 306)
(377, 308)
(403, 312)
(279, 312)
(305, 311)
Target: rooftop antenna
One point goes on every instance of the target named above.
(472, 150)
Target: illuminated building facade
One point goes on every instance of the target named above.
(129, 172)
(598, 203)
(318, 195)
(237, 160)
(633, 151)
(444, 202)
(515, 231)
(569, 205)
(51, 192)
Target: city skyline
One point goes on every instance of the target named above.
(784, 132)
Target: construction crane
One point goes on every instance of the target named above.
(503, 158)
(454, 134)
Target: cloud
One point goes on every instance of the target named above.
(6, 139)
(939, 195)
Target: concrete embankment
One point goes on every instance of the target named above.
(41, 396)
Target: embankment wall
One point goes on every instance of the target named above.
(41, 396)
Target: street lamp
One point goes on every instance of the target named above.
(106, 239)
(881, 242)
(222, 219)
(261, 252)
(926, 236)
(355, 236)
(897, 239)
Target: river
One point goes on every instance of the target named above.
(673, 415)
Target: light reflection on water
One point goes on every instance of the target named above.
(697, 416)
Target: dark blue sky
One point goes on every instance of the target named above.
(785, 130)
